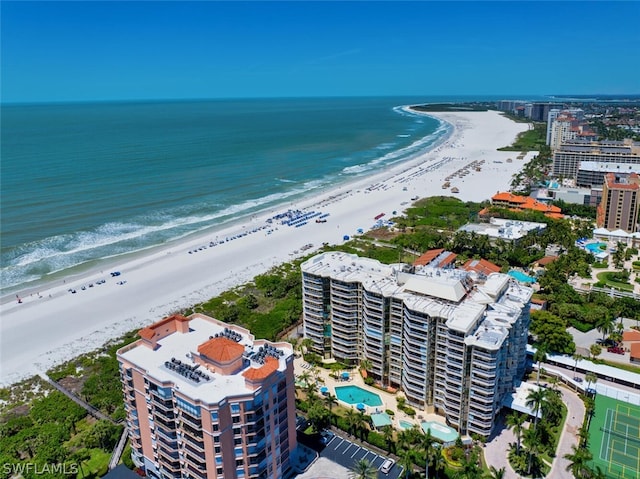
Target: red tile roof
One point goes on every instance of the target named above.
(631, 335)
(264, 371)
(428, 257)
(546, 260)
(150, 331)
(481, 266)
(524, 203)
(221, 350)
(635, 350)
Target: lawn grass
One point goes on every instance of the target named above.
(96, 466)
(604, 278)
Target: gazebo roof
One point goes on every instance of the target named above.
(381, 419)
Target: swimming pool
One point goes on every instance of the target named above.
(520, 276)
(405, 424)
(595, 247)
(440, 431)
(355, 395)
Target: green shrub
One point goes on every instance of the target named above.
(390, 412)
(409, 411)
(377, 439)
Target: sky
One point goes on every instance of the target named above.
(89, 50)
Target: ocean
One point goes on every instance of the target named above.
(83, 182)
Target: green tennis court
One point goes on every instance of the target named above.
(614, 438)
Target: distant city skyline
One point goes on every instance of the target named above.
(84, 51)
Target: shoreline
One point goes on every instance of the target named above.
(231, 226)
(169, 277)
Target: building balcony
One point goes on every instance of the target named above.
(192, 434)
(167, 455)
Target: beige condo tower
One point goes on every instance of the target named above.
(204, 399)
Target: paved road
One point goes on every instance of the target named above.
(569, 436)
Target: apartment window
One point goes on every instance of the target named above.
(217, 449)
(188, 407)
(219, 471)
(235, 408)
(214, 415)
(239, 462)
(215, 427)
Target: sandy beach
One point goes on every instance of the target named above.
(53, 324)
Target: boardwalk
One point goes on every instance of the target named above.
(90, 409)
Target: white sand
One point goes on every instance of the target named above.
(56, 325)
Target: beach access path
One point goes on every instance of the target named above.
(51, 324)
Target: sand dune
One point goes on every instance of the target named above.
(53, 325)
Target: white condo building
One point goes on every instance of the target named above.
(452, 341)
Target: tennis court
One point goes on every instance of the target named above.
(614, 438)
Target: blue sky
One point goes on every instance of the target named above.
(68, 51)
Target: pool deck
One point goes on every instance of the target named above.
(355, 379)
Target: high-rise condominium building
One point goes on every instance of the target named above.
(620, 203)
(204, 399)
(451, 340)
(568, 156)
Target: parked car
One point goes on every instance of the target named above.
(326, 436)
(616, 350)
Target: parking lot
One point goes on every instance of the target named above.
(346, 453)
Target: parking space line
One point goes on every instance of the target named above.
(348, 447)
(341, 441)
(356, 452)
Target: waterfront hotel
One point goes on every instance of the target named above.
(453, 341)
(204, 399)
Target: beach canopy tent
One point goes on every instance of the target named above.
(381, 419)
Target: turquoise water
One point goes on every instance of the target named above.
(86, 181)
(594, 247)
(440, 431)
(405, 424)
(355, 395)
(520, 276)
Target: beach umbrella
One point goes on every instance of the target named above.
(345, 375)
(360, 406)
(324, 389)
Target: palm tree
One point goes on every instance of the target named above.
(605, 325)
(439, 462)
(554, 381)
(590, 377)
(535, 401)
(539, 356)
(351, 420)
(427, 446)
(515, 421)
(365, 364)
(330, 400)
(361, 424)
(532, 442)
(406, 462)
(387, 432)
(578, 459)
(495, 473)
(363, 469)
(307, 344)
(576, 357)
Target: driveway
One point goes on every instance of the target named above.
(497, 448)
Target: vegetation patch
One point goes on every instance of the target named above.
(614, 279)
